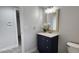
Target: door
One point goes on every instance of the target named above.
(8, 28)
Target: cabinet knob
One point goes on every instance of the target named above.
(47, 47)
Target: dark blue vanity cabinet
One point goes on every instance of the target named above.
(47, 44)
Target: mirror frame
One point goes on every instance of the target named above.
(57, 20)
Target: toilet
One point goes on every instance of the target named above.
(72, 47)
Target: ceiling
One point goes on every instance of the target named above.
(45, 7)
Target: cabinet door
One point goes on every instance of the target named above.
(54, 44)
(44, 44)
(41, 43)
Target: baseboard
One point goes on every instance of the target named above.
(8, 48)
(31, 51)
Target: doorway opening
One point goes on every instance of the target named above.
(18, 27)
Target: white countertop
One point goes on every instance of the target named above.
(49, 34)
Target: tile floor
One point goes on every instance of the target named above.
(16, 50)
(13, 50)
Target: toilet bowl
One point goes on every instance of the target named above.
(72, 47)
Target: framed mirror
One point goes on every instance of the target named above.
(52, 18)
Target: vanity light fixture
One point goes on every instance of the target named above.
(51, 10)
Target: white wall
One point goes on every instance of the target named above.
(8, 34)
(31, 20)
(69, 26)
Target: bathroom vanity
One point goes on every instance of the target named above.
(47, 42)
